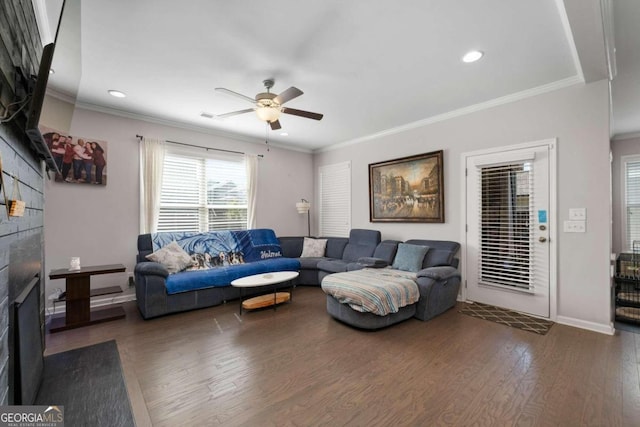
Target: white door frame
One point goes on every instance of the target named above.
(552, 144)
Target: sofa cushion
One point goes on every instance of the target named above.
(409, 257)
(172, 256)
(442, 252)
(438, 257)
(386, 250)
(291, 246)
(333, 265)
(313, 247)
(362, 243)
(335, 246)
(311, 262)
(373, 262)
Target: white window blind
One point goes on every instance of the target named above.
(632, 199)
(506, 226)
(335, 200)
(203, 193)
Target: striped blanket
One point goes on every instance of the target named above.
(378, 291)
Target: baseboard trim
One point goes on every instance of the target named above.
(584, 324)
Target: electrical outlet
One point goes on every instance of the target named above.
(575, 227)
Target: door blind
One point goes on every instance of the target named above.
(506, 226)
(335, 200)
(632, 200)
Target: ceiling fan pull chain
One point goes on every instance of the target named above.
(266, 135)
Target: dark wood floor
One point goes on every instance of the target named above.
(298, 367)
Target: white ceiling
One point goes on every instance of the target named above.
(370, 66)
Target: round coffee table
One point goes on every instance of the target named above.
(264, 279)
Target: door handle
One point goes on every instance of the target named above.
(542, 239)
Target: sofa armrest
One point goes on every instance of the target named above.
(151, 268)
(438, 288)
(371, 262)
(438, 273)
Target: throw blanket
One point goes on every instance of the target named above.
(375, 290)
(254, 245)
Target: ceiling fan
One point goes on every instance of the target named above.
(268, 106)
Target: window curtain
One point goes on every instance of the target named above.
(251, 164)
(152, 153)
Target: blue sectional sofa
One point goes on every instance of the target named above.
(158, 292)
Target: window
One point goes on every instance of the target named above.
(631, 171)
(335, 200)
(203, 192)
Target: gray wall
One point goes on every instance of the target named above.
(619, 148)
(579, 117)
(100, 224)
(20, 237)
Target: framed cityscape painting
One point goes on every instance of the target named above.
(80, 160)
(409, 189)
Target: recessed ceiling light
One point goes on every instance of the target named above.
(117, 93)
(284, 134)
(472, 56)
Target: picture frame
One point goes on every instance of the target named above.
(408, 189)
(80, 160)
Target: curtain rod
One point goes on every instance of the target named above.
(200, 146)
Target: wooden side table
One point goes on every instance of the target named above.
(78, 311)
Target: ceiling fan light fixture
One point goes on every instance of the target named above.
(117, 93)
(268, 114)
(472, 56)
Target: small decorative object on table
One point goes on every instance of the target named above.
(74, 264)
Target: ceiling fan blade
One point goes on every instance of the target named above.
(236, 94)
(288, 95)
(234, 113)
(275, 125)
(302, 113)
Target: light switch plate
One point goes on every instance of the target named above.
(575, 227)
(578, 214)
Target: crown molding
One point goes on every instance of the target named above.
(42, 19)
(62, 96)
(625, 136)
(606, 7)
(566, 26)
(559, 84)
